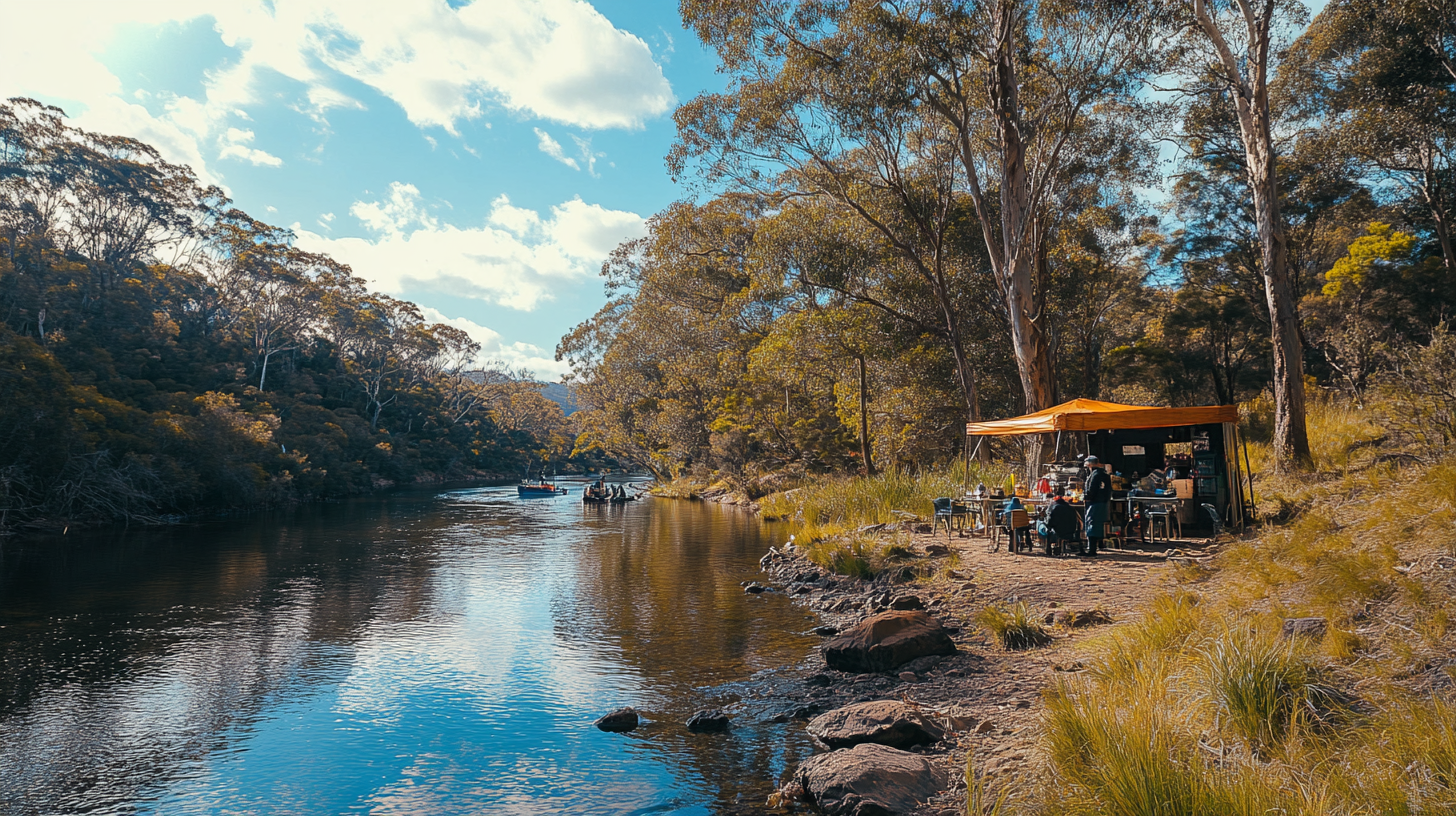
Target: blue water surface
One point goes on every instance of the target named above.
(421, 654)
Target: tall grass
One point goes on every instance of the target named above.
(1261, 688)
(836, 504)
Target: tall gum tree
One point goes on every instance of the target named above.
(1009, 90)
(819, 107)
(1381, 80)
(1246, 73)
(1022, 84)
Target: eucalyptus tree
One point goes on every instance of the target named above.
(1256, 28)
(822, 106)
(951, 129)
(659, 363)
(1030, 90)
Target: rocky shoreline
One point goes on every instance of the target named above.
(981, 699)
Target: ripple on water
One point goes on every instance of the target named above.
(413, 655)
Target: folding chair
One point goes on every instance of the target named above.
(943, 515)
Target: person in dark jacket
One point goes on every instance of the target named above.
(1097, 492)
(1062, 523)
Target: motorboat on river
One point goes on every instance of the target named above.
(540, 488)
(533, 490)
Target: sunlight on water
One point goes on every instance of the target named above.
(418, 655)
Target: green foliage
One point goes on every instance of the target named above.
(245, 372)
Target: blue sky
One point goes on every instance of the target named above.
(480, 159)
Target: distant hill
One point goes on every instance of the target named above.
(560, 393)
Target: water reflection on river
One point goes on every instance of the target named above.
(417, 655)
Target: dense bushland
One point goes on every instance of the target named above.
(161, 352)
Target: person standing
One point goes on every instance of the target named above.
(1097, 492)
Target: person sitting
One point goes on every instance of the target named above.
(1062, 524)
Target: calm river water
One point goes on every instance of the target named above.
(440, 653)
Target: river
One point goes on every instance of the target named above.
(430, 653)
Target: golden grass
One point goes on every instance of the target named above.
(838, 504)
(1197, 705)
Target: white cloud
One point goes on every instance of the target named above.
(235, 146)
(517, 258)
(558, 60)
(493, 347)
(552, 148)
(584, 145)
(403, 209)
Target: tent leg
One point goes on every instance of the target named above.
(1057, 451)
(1250, 471)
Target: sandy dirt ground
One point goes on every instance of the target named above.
(990, 696)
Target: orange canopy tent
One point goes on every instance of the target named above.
(1094, 415)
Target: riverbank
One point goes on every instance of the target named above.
(378, 486)
(988, 698)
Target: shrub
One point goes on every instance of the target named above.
(1422, 393)
(1015, 626)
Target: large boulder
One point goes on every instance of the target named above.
(886, 722)
(869, 780)
(887, 641)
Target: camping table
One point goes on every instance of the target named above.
(981, 509)
(1131, 500)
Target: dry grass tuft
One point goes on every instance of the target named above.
(1015, 626)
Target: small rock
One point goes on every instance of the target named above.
(1312, 628)
(708, 720)
(755, 588)
(909, 677)
(820, 680)
(907, 602)
(985, 727)
(618, 719)
(826, 630)
(936, 549)
(1021, 703)
(920, 665)
(1077, 618)
(806, 712)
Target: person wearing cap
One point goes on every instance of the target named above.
(1097, 493)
